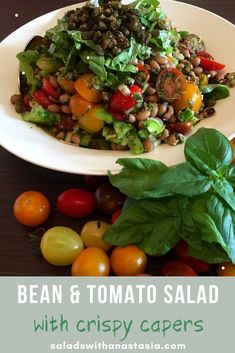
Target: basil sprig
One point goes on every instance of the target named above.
(193, 201)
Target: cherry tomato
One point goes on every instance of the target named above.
(177, 268)
(180, 127)
(171, 84)
(92, 233)
(79, 105)
(41, 98)
(84, 86)
(208, 64)
(91, 262)
(128, 261)
(205, 54)
(226, 269)
(31, 208)
(115, 215)
(120, 102)
(89, 122)
(61, 245)
(48, 88)
(181, 252)
(192, 98)
(76, 203)
(108, 198)
(92, 182)
(26, 101)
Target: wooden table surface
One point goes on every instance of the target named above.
(16, 175)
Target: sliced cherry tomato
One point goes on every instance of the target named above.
(128, 261)
(79, 105)
(177, 268)
(41, 98)
(180, 127)
(90, 122)
(120, 102)
(181, 252)
(205, 54)
(48, 88)
(61, 245)
(84, 87)
(91, 262)
(115, 215)
(208, 64)
(31, 208)
(67, 85)
(191, 98)
(117, 115)
(171, 84)
(76, 203)
(226, 269)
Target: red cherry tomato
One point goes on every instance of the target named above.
(205, 54)
(26, 101)
(177, 268)
(181, 252)
(120, 102)
(48, 88)
(115, 215)
(76, 203)
(208, 64)
(41, 98)
(171, 84)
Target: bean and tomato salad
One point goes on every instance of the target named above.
(113, 77)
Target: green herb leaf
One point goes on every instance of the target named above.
(147, 223)
(183, 179)
(215, 91)
(28, 61)
(208, 150)
(139, 177)
(211, 253)
(225, 190)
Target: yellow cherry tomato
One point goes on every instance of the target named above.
(226, 269)
(61, 245)
(192, 98)
(89, 122)
(85, 87)
(92, 233)
(79, 105)
(128, 261)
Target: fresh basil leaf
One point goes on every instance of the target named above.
(149, 224)
(215, 91)
(209, 252)
(183, 179)
(225, 190)
(224, 219)
(231, 174)
(208, 150)
(139, 176)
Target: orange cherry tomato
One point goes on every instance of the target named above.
(31, 208)
(89, 122)
(91, 262)
(192, 98)
(128, 261)
(67, 85)
(84, 86)
(226, 269)
(79, 105)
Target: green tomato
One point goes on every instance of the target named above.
(92, 233)
(61, 245)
